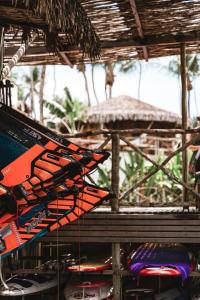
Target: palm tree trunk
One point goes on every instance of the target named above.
(93, 85)
(195, 99)
(110, 91)
(189, 104)
(87, 88)
(32, 93)
(110, 77)
(54, 79)
(41, 94)
(106, 92)
(140, 77)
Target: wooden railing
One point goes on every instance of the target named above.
(114, 138)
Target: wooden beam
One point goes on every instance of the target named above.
(184, 120)
(135, 131)
(149, 41)
(116, 265)
(65, 59)
(115, 171)
(139, 26)
(34, 52)
(152, 40)
(1, 49)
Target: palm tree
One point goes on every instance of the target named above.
(125, 67)
(65, 114)
(110, 77)
(33, 89)
(31, 81)
(192, 71)
(82, 68)
(41, 93)
(129, 66)
(93, 82)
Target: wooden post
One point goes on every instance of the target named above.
(184, 121)
(1, 50)
(115, 208)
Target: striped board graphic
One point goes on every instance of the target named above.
(50, 140)
(47, 217)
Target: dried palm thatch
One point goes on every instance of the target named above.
(145, 30)
(67, 17)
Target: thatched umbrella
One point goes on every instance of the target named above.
(125, 112)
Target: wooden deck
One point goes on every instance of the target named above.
(134, 225)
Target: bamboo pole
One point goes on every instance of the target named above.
(184, 122)
(135, 131)
(115, 208)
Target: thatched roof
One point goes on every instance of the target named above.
(51, 19)
(125, 108)
(128, 29)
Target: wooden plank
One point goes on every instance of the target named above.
(125, 228)
(190, 240)
(105, 272)
(138, 222)
(131, 234)
(133, 216)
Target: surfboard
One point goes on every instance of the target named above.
(50, 140)
(159, 271)
(29, 284)
(88, 288)
(94, 263)
(160, 259)
(49, 216)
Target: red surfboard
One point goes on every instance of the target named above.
(159, 271)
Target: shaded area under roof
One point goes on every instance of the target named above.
(125, 108)
(128, 29)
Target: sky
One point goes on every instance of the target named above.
(157, 86)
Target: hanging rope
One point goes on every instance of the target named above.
(16, 57)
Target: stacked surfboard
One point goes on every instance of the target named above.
(42, 181)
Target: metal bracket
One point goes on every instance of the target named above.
(5, 92)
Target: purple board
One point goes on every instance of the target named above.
(157, 255)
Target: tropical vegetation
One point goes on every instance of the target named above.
(157, 190)
(65, 114)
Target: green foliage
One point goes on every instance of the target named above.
(192, 64)
(65, 114)
(128, 66)
(104, 176)
(159, 188)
